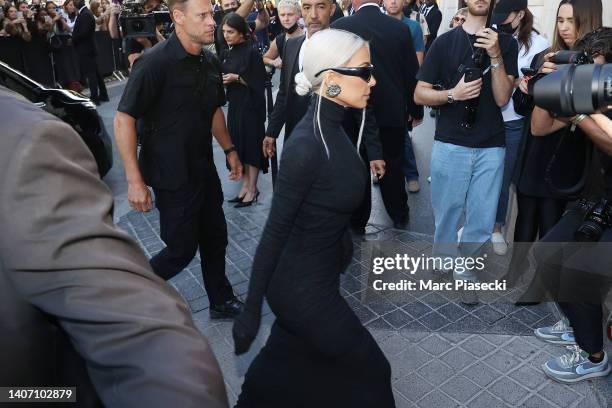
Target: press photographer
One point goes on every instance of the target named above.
(143, 32)
(475, 151)
(578, 274)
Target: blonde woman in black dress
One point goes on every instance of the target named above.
(318, 353)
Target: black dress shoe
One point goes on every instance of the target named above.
(227, 310)
(236, 199)
(243, 203)
(96, 102)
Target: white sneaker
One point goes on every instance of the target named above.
(500, 247)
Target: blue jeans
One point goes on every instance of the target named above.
(514, 133)
(410, 165)
(464, 180)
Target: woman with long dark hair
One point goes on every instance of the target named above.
(514, 18)
(318, 353)
(539, 208)
(244, 76)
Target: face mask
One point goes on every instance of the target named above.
(292, 29)
(505, 28)
(230, 10)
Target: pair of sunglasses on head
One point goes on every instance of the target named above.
(364, 72)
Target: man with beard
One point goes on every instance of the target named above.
(242, 9)
(177, 91)
(290, 108)
(467, 162)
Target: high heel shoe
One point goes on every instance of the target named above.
(247, 203)
(236, 199)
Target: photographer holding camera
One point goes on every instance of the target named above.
(134, 47)
(577, 277)
(467, 160)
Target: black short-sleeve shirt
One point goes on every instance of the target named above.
(175, 94)
(444, 63)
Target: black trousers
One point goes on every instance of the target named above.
(535, 217)
(95, 82)
(585, 317)
(392, 185)
(190, 218)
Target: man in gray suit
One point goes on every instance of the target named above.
(79, 303)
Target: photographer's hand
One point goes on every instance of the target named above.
(487, 38)
(464, 91)
(548, 67)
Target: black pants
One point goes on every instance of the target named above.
(95, 82)
(392, 185)
(535, 217)
(191, 218)
(584, 317)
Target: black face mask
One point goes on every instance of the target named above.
(292, 29)
(505, 28)
(230, 10)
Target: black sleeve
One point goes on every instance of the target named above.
(300, 164)
(434, 19)
(410, 71)
(142, 89)
(255, 73)
(510, 56)
(431, 70)
(278, 116)
(214, 61)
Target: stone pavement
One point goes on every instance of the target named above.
(442, 353)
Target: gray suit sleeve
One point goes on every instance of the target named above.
(65, 256)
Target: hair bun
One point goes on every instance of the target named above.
(302, 84)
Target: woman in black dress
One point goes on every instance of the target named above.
(244, 76)
(318, 353)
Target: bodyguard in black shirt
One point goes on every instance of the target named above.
(467, 163)
(177, 90)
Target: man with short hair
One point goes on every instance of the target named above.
(177, 90)
(83, 38)
(467, 158)
(433, 15)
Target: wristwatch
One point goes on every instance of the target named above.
(449, 97)
(229, 150)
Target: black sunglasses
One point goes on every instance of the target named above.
(364, 73)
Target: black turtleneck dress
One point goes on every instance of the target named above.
(318, 353)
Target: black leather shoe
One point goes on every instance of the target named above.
(227, 310)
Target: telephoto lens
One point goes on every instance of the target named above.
(574, 89)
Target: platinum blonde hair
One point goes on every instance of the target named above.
(290, 4)
(326, 49)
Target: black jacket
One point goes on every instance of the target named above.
(434, 19)
(83, 34)
(395, 64)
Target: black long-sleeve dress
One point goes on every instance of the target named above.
(246, 113)
(318, 353)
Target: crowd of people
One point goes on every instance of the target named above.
(355, 79)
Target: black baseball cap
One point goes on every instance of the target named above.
(503, 9)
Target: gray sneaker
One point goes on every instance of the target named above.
(575, 366)
(559, 333)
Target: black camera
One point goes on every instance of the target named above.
(574, 89)
(136, 22)
(571, 57)
(597, 218)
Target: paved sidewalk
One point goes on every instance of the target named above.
(443, 354)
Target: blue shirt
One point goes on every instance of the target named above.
(416, 32)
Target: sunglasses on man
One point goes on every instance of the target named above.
(364, 72)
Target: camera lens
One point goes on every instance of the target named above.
(137, 25)
(588, 231)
